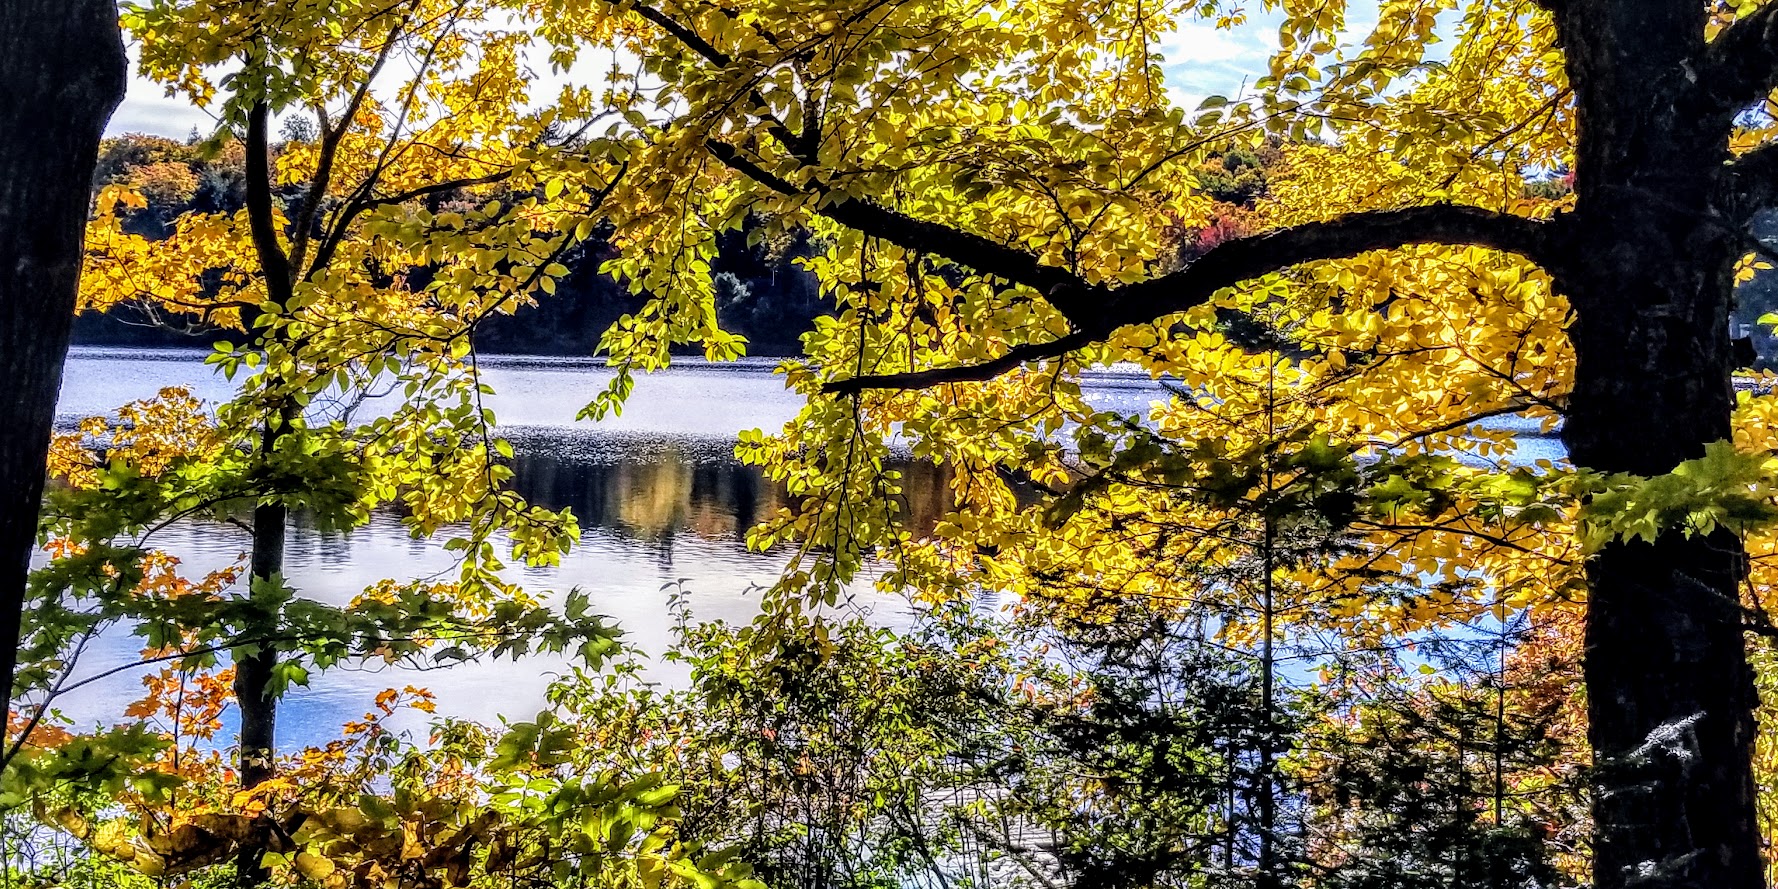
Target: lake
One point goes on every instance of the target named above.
(659, 494)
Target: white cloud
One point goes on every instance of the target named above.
(1200, 59)
(148, 109)
(1200, 42)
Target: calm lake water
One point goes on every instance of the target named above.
(660, 497)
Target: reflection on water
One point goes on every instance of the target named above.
(655, 489)
(656, 514)
(651, 489)
(661, 499)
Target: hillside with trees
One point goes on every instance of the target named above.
(763, 292)
(765, 295)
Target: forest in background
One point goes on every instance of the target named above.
(763, 292)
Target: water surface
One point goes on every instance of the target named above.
(662, 501)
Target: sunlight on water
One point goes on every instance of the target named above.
(661, 499)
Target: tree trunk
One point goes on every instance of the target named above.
(1647, 262)
(62, 72)
(253, 670)
(253, 680)
(253, 673)
(1670, 692)
(1270, 875)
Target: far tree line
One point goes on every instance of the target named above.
(763, 291)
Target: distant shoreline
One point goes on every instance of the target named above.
(1128, 376)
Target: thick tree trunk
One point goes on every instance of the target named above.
(1670, 692)
(62, 72)
(1671, 701)
(1647, 261)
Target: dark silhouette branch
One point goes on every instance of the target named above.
(966, 373)
(1247, 258)
(1224, 266)
(1751, 182)
(1094, 310)
(1741, 65)
(1066, 290)
(683, 34)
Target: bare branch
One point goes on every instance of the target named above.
(987, 370)
(1225, 266)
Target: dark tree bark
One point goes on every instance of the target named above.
(1647, 261)
(253, 681)
(253, 669)
(62, 73)
(253, 666)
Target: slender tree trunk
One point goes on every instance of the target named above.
(253, 680)
(253, 669)
(1462, 804)
(62, 72)
(1269, 876)
(1497, 869)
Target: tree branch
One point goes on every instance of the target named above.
(708, 51)
(683, 34)
(1741, 64)
(1247, 258)
(1067, 291)
(358, 206)
(1752, 181)
(986, 370)
(330, 143)
(1224, 266)
(1095, 310)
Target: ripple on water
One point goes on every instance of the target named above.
(661, 498)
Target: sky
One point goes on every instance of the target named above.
(1200, 60)
(1203, 60)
